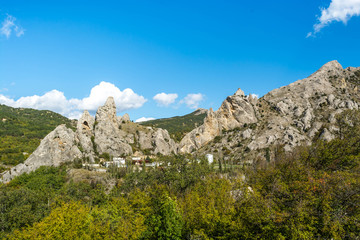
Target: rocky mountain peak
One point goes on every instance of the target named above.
(240, 93)
(110, 102)
(332, 68)
(290, 115)
(107, 111)
(332, 65)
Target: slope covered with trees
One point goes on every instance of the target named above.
(312, 192)
(22, 129)
(180, 125)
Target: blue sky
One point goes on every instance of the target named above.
(67, 56)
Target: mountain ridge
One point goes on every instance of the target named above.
(243, 128)
(290, 115)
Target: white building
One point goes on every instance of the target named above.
(117, 161)
(210, 158)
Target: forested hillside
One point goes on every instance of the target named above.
(180, 125)
(312, 192)
(21, 130)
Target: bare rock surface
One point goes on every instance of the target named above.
(57, 147)
(107, 134)
(235, 111)
(85, 132)
(288, 116)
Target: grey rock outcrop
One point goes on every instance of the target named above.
(107, 134)
(163, 143)
(58, 147)
(157, 141)
(289, 116)
(235, 111)
(126, 117)
(114, 135)
(85, 132)
(123, 119)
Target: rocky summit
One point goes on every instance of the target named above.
(243, 128)
(288, 116)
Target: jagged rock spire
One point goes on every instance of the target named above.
(240, 92)
(107, 111)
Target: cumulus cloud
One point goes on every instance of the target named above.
(56, 101)
(144, 119)
(165, 99)
(8, 26)
(124, 100)
(338, 11)
(193, 100)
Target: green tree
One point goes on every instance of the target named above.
(165, 221)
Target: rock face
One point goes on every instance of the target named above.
(235, 111)
(57, 147)
(106, 133)
(288, 116)
(160, 141)
(85, 132)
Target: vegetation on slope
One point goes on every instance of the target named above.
(180, 125)
(311, 193)
(21, 131)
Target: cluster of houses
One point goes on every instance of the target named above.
(121, 162)
(135, 160)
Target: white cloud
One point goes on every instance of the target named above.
(338, 11)
(56, 101)
(193, 100)
(124, 100)
(164, 99)
(253, 95)
(9, 25)
(6, 101)
(144, 119)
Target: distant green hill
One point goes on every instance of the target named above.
(180, 125)
(22, 129)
